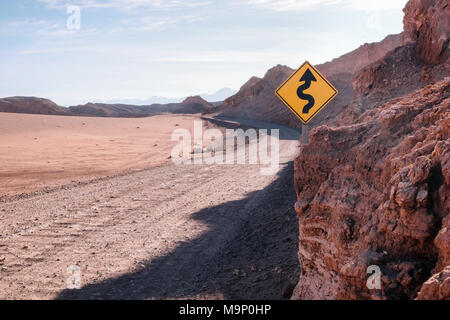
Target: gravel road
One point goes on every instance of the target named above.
(169, 232)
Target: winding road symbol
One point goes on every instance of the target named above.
(307, 77)
(306, 92)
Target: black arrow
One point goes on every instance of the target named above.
(307, 77)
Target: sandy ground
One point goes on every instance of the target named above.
(165, 232)
(40, 151)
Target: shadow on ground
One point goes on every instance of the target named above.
(256, 258)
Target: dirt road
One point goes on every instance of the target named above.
(187, 231)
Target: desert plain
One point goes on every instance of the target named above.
(103, 196)
(40, 152)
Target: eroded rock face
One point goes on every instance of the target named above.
(400, 69)
(427, 23)
(399, 72)
(376, 192)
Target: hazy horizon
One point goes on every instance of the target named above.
(154, 48)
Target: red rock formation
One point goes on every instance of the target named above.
(377, 193)
(374, 189)
(427, 23)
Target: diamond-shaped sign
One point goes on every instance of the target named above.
(306, 92)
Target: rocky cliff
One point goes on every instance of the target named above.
(376, 193)
(373, 184)
(427, 23)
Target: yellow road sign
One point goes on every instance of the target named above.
(306, 92)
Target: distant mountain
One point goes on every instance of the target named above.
(220, 95)
(140, 102)
(108, 110)
(190, 105)
(31, 105)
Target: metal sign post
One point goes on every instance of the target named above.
(305, 134)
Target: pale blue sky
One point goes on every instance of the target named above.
(174, 48)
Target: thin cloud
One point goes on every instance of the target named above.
(29, 26)
(66, 49)
(302, 5)
(55, 28)
(125, 4)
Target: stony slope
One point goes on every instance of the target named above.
(376, 193)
